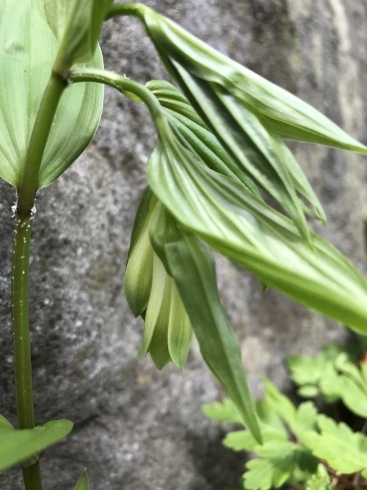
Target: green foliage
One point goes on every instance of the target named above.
(83, 483)
(352, 384)
(292, 118)
(216, 144)
(76, 24)
(320, 480)
(222, 412)
(241, 226)
(343, 450)
(28, 67)
(192, 268)
(297, 440)
(196, 136)
(333, 375)
(18, 446)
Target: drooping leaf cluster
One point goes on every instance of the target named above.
(217, 145)
(213, 148)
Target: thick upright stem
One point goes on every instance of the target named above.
(32, 477)
(22, 347)
(41, 130)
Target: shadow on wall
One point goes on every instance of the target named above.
(220, 467)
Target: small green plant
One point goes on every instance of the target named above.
(218, 140)
(302, 447)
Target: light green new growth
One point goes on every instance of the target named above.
(216, 144)
(293, 459)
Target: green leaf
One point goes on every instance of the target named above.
(18, 445)
(308, 391)
(281, 405)
(240, 440)
(196, 135)
(256, 148)
(76, 24)
(352, 385)
(300, 420)
(282, 461)
(317, 374)
(342, 449)
(27, 54)
(306, 417)
(343, 364)
(243, 228)
(353, 396)
(330, 384)
(193, 271)
(83, 483)
(291, 117)
(5, 424)
(271, 425)
(305, 370)
(320, 480)
(275, 469)
(222, 412)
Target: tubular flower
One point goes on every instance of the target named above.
(152, 293)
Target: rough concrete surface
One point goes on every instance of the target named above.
(137, 429)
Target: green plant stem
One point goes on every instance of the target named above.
(131, 9)
(22, 346)
(22, 350)
(32, 477)
(121, 83)
(41, 130)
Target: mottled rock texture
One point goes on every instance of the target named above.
(137, 429)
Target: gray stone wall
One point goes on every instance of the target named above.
(135, 428)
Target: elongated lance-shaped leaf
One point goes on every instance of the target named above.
(250, 143)
(19, 445)
(291, 117)
(256, 149)
(76, 24)
(193, 271)
(27, 55)
(243, 228)
(196, 134)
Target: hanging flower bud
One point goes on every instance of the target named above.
(152, 293)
